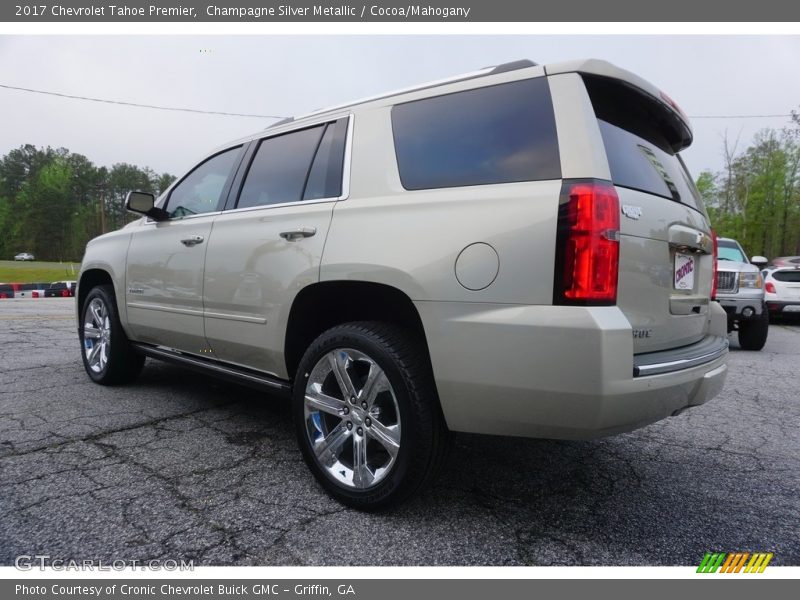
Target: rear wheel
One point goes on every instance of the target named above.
(108, 356)
(367, 415)
(753, 333)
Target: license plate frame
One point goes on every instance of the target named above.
(683, 271)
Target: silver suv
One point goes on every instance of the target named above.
(515, 251)
(740, 291)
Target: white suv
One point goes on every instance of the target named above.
(516, 251)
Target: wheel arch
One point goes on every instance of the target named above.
(89, 279)
(320, 306)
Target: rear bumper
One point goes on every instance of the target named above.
(552, 371)
(679, 359)
(777, 307)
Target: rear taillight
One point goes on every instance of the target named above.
(770, 287)
(34, 294)
(587, 251)
(674, 105)
(65, 293)
(714, 254)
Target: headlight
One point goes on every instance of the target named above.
(750, 280)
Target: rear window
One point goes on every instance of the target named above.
(787, 276)
(636, 141)
(498, 134)
(640, 165)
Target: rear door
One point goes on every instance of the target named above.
(268, 247)
(666, 261)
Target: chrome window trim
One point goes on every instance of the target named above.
(346, 166)
(149, 221)
(346, 173)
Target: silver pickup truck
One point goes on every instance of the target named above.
(740, 291)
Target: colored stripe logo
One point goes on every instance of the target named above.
(734, 562)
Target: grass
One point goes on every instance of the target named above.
(17, 271)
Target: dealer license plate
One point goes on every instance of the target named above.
(684, 272)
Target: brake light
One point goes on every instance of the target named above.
(674, 106)
(770, 287)
(65, 293)
(587, 251)
(714, 254)
(34, 294)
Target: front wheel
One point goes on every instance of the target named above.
(367, 415)
(753, 333)
(108, 356)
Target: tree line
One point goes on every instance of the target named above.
(53, 201)
(755, 198)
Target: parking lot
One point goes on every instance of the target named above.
(179, 466)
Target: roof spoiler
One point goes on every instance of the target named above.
(672, 121)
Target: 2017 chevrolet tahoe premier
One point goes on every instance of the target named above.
(516, 251)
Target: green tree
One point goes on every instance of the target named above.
(756, 199)
(45, 206)
(50, 200)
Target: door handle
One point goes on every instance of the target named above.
(192, 241)
(297, 234)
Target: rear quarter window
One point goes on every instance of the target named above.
(497, 134)
(787, 276)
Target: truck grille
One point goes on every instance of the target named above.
(726, 281)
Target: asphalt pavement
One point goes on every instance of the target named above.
(179, 466)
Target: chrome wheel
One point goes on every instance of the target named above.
(96, 335)
(352, 418)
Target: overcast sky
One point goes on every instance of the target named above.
(286, 75)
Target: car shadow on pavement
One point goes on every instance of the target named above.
(661, 495)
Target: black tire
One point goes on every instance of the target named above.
(423, 435)
(123, 363)
(753, 333)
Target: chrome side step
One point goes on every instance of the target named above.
(233, 373)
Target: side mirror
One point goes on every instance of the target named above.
(758, 261)
(145, 203)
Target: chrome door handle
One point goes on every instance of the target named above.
(192, 241)
(297, 234)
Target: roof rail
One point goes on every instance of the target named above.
(281, 122)
(512, 66)
(492, 70)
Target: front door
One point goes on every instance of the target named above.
(164, 278)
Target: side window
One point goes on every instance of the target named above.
(280, 168)
(497, 134)
(199, 192)
(325, 178)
